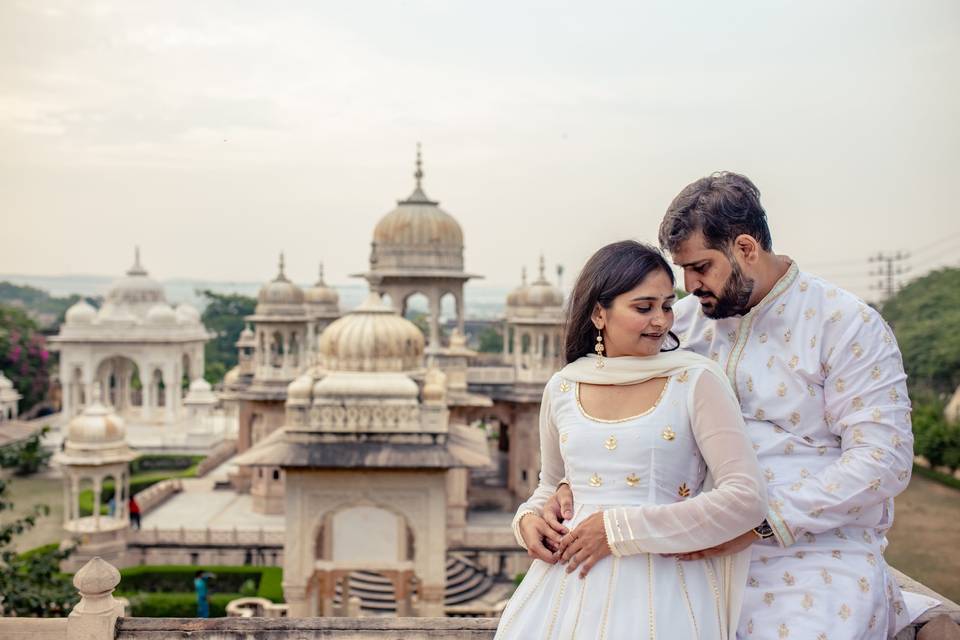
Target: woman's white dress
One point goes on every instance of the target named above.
(646, 473)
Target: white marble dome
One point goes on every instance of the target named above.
(417, 234)
(539, 294)
(161, 314)
(134, 294)
(81, 313)
(372, 338)
(97, 425)
(5, 382)
(187, 314)
(322, 298)
(300, 388)
(280, 296)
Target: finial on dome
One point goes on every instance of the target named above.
(136, 269)
(543, 267)
(418, 174)
(320, 281)
(523, 276)
(281, 276)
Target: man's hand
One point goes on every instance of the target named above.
(535, 531)
(559, 507)
(585, 546)
(739, 543)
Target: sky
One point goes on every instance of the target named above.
(217, 134)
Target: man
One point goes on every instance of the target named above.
(823, 393)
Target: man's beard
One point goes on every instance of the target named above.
(734, 300)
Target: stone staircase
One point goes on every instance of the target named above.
(465, 582)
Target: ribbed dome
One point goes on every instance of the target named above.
(161, 314)
(81, 313)
(371, 338)
(135, 293)
(280, 296)
(417, 234)
(539, 294)
(97, 425)
(5, 382)
(321, 298)
(187, 314)
(247, 337)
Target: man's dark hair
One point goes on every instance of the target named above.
(722, 206)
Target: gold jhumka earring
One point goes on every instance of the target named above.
(599, 349)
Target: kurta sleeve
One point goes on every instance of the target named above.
(867, 408)
(551, 465)
(736, 503)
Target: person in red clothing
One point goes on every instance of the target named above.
(134, 513)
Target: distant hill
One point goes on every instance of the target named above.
(48, 311)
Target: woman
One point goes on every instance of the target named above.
(651, 440)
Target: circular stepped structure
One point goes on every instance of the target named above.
(465, 582)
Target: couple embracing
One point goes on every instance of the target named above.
(719, 466)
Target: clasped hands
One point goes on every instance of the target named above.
(549, 540)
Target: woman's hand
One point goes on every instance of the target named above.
(533, 530)
(585, 546)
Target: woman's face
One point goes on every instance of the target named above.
(637, 322)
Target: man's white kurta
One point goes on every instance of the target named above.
(823, 393)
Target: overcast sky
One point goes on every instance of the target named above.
(216, 134)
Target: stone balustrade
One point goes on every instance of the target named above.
(207, 536)
(99, 616)
(156, 494)
(223, 452)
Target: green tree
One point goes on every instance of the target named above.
(490, 341)
(925, 316)
(26, 457)
(23, 355)
(224, 316)
(31, 584)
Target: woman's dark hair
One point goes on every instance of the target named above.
(611, 271)
(722, 206)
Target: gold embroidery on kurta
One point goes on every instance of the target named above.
(708, 334)
(836, 554)
(795, 418)
(811, 391)
(874, 485)
(595, 480)
(836, 316)
(753, 582)
(788, 579)
(840, 385)
(844, 612)
(780, 308)
(827, 578)
(759, 414)
(809, 313)
(563, 438)
(564, 386)
(813, 342)
(683, 490)
(787, 335)
(633, 480)
(768, 598)
(894, 394)
(763, 338)
(856, 349)
(821, 451)
(857, 402)
(794, 361)
(876, 415)
(875, 373)
(750, 384)
(782, 389)
(804, 286)
(783, 631)
(610, 443)
(770, 362)
(768, 474)
(683, 377)
(668, 434)
(807, 602)
(732, 336)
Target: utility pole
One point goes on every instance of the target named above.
(888, 269)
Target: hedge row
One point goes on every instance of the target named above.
(175, 605)
(171, 578)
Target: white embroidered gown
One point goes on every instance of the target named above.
(646, 473)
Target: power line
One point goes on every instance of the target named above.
(888, 272)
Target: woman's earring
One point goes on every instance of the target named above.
(599, 349)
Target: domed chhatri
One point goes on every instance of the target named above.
(540, 294)
(81, 313)
(417, 234)
(321, 299)
(418, 249)
(280, 296)
(96, 433)
(133, 294)
(372, 338)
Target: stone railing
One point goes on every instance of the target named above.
(188, 537)
(256, 608)
(223, 452)
(156, 494)
(99, 616)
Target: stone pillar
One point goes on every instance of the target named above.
(170, 384)
(434, 321)
(505, 331)
(97, 484)
(95, 616)
(74, 498)
(430, 603)
(516, 348)
(460, 313)
(67, 493)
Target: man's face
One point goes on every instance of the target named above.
(714, 277)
